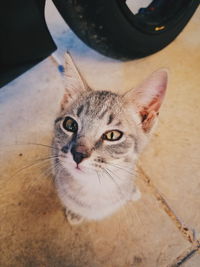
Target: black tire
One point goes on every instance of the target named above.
(109, 27)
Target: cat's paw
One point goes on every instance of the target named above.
(73, 218)
(136, 195)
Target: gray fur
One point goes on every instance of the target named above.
(102, 182)
(94, 112)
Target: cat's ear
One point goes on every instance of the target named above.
(73, 80)
(148, 97)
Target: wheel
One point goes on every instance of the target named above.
(110, 27)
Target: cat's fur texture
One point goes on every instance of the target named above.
(94, 177)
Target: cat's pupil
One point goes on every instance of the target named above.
(70, 124)
(112, 135)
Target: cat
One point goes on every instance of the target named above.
(98, 136)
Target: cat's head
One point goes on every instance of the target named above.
(101, 130)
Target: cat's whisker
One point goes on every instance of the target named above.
(138, 217)
(34, 163)
(43, 145)
(113, 179)
(30, 143)
(44, 173)
(121, 168)
(104, 177)
(134, 217)
(99, 178)
(30, 184)
(130, 215)
(120, 178)
(46, 158)
(124, 208)
(128, 219)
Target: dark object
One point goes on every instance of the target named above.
(108, 26)
(25, 39)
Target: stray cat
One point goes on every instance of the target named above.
(98, 136)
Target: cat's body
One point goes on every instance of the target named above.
(98, 136)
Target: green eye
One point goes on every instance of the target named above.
(70, 125)
(113, 135)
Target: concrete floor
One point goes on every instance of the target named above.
(162, 229)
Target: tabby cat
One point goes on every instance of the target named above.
(98, 136)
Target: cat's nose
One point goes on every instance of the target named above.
(78, 156)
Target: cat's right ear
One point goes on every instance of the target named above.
(73, 81)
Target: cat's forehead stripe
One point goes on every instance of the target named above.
(79, 111)
(87, 107)
(103, 113)
(110, 118)
(118, 123)
(94, 104)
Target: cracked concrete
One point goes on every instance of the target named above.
(162, 229)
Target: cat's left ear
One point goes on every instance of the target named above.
(148, 98)
(74, 82)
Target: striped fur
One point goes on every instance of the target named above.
(104, 180)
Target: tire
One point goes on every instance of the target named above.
(109, 27)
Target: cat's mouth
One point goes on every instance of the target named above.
(78, 167)
(69, 164)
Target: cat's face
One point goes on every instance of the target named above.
(96, 133)
(102, 132)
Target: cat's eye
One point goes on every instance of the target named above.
(113, 135)
(70, 125)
